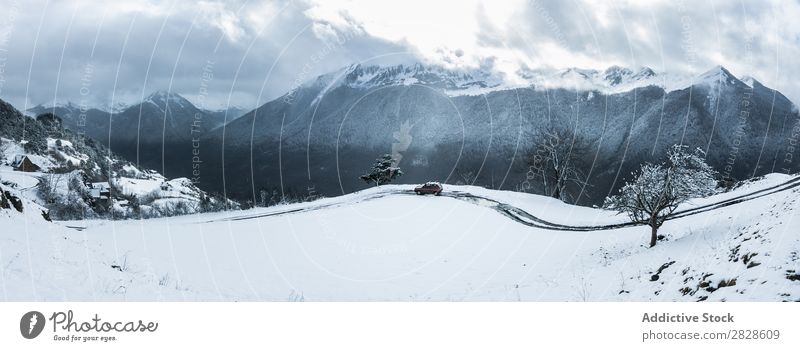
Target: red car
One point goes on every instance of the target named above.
(429, 188)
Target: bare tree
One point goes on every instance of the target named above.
(47, 187)
(557, 161)
(657, 190)
(467, 176)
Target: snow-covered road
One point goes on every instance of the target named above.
(524, 217)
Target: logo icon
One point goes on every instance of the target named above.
(31, 324)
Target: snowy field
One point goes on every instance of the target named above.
(387, 244)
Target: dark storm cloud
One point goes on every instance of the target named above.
(78, 53)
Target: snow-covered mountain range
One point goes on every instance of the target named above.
(157, 98)
(322, 133)
(614, 79)
(76, 106)
(148, 115)
(325, 131)
(141, 131)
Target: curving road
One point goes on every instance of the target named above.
(523, 217)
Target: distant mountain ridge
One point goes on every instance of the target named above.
(161, 100)
(443, 123)
(142, 132)
(75, 171)
(321, 134)
(614, 79)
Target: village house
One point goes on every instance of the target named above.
(23, 163)
(100, 191)
(101, 194)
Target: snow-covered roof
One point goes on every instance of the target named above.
(101, 185)
(18, 159)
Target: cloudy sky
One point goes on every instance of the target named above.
(248, 52)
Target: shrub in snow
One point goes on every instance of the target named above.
(47, 188)
(71, 203)
(72, 207)
(173, 208)
(8, 200)
(383, 171)
(215, 203)
(657, 190)
(77, 185)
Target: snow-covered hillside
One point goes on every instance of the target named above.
(387, 244)
(137, 193)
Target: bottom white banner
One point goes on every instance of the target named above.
(398, 326)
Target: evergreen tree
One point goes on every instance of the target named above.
(383, 171)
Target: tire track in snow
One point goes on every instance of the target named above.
(521, 216)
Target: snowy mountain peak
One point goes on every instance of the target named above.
(57, 103)
(429, 75)
(717, 75)
(450, 81)
(67, 107)
(164, 98)
(113, 108)
(574, 72)
(455, 82)
(160, 95)
(616, 75)
(477, 81)
(750, 81)
(645, 72)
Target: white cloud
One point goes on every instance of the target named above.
(219, 16)
(683, 36)
(677, 36)
(434, 29)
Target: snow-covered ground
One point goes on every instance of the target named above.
(19, 179)
(388, 244)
